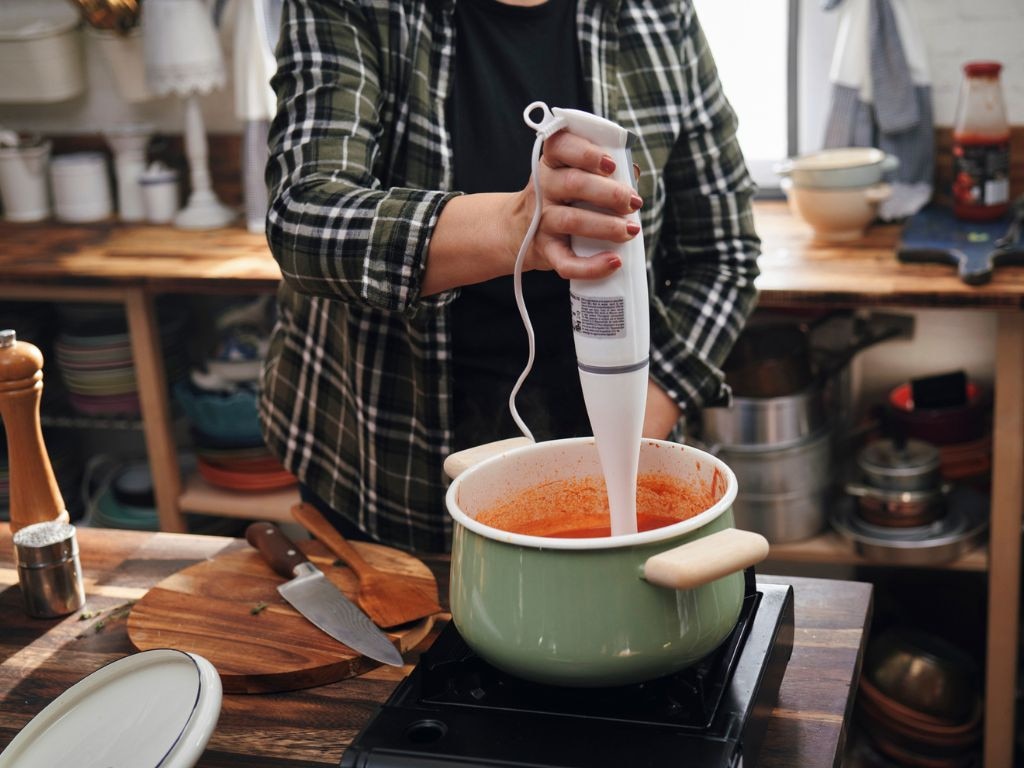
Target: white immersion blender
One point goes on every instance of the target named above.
(611, 325)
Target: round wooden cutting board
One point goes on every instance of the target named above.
(227, 609)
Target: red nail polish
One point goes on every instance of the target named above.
(607, 164)
(614, 262)
(636, 202)
(632, 227)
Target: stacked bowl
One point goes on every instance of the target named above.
(220, 402)
(837, 191)
(919, 700)
(962, 432)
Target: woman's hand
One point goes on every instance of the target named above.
(478, 236)
(572, 170)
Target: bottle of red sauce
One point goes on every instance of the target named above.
(981, 145)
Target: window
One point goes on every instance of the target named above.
(754, 46)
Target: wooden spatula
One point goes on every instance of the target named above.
(389, 599)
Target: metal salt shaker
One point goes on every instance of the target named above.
(49, 571)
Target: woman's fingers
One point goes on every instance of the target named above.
(581, 222)
(565, 149)
(576, 171)
(581, 200)
(555, 253)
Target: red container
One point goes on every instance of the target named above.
(981, 145)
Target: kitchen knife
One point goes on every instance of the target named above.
(316, 598)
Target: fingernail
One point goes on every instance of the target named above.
(614, 262)
(632, 227)
(636, 202)
(607, 164)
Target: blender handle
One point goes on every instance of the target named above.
(705, 559)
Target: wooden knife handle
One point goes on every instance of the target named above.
(276, 548)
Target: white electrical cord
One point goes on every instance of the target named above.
(547, 127)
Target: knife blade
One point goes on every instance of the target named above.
(317, 599)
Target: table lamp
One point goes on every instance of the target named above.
(183, 57)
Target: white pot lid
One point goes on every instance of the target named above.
(28, 19)
(154, 709)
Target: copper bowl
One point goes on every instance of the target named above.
(923, 672)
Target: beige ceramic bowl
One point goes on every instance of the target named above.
(838, 167)
(836, 215)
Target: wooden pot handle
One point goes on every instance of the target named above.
(702, 561)
(460, 461)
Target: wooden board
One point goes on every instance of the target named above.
(935, 234)
(227, 609)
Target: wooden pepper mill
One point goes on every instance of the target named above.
(34, 495)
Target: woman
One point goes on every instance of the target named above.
(400, 194)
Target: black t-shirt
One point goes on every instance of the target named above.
(507, 57)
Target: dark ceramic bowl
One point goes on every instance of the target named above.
(941, 426)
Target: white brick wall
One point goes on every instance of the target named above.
(955, 31)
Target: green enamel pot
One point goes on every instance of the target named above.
(589, 612)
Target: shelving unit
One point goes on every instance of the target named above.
(832, 549)
(200, 497)
(132, 265)
(797, 273)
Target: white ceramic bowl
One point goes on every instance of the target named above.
(838, 167)
(836, 215)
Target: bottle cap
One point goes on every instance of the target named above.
(982, 68)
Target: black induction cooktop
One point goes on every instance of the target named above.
(455, 709)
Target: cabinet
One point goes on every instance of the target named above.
(133, 265)
(797, 273)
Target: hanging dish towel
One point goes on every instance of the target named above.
(882, 96)
(254, 64)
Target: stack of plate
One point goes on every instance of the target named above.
(98, 373)
(244, 470)
(94, 357)
(226, 437)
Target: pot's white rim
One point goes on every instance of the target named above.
(603, 542)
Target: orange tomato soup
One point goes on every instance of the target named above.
(579, 508)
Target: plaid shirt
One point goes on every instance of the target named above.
(356, 396)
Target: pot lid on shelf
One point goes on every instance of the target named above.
(898, 459)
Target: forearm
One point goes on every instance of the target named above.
(662, 413)
(474, 240)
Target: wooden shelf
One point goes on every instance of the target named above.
(199, 497)
(832, 549)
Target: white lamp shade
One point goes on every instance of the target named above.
(183, 53)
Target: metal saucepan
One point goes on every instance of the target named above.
(765, 421)
(605, 611)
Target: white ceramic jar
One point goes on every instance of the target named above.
(23, 183)
(81, 187)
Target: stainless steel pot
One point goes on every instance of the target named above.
(913, 465)
(765, 421)
(899, 508)
(783, 491)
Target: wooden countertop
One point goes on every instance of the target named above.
(311, 728)
(795, 270)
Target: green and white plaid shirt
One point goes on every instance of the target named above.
(356, 395)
